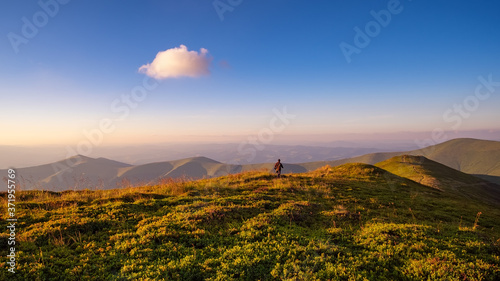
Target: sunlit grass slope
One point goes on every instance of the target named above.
(471, 156)
(439, 176)
(350, 222)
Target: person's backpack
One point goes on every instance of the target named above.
(277, 166)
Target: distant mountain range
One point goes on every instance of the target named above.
(470, 156)
(477, 157)
(230, 153)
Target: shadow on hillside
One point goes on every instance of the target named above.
(493, 179)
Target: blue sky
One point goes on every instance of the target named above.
(264, 55)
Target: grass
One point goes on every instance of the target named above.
(441, 177)
(352, 222)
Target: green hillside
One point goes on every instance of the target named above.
(471, 156)
(444, 178)
(351, 222)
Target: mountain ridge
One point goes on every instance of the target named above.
(471, 156)
(106, 173)
(351, 222)
(436, 175)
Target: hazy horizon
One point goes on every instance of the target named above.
(25, 156)
(385, 115)
(91, 75)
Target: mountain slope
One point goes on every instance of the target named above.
(477, 157)
(444, 178)
(73, 173)
(23, 156)
(351, 222)
(472, 156)
(81, 172)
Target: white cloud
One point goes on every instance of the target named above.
(178, 62)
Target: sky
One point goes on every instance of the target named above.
(89, 73)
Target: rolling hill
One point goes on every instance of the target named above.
(231, 153)
(476, 157)
(80, 172)
(471, 156)
(76, 172)
(351, 222)
(441, 177)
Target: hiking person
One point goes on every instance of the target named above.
(277, 168)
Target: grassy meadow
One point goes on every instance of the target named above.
(351, 222)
